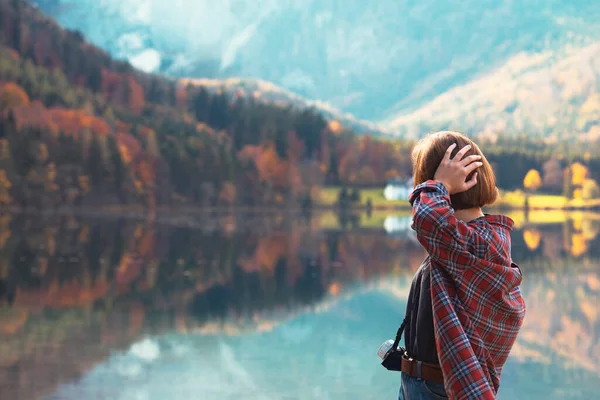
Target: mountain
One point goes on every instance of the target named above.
(78, 127)
(374, 60)
(270, 93)
(551, 94)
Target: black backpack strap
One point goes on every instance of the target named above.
(399, 333)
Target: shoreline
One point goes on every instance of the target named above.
(136, 210)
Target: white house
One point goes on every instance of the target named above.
(398, 189)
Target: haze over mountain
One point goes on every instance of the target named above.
(378, 61)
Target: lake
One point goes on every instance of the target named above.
(263, 306)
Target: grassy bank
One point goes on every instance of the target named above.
(508, 200)
(522, 218)
(518, 200)
(329, 196)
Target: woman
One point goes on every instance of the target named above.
(464, 308)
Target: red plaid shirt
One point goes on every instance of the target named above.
(477, 305)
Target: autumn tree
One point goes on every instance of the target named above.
(94, 164)
(579, 174)
(552, 175)
(11, 96)
(590, 190)
(532, 180)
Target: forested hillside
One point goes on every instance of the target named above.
(79, 128)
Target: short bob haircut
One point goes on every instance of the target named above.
(429, 152)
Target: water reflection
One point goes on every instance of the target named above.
(287, 307)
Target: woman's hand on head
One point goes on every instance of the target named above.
(453, 172)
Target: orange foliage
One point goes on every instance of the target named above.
(268, 251)
(69, 294)
(123, 127)
(335, 288)
(34, 116)
(271, 169)
(12, 96)
(73, 122)
(129, 146)
(124, 90)
(112, 86)
(129, 269)
(136, 99)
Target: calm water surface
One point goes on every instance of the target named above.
(263, 308)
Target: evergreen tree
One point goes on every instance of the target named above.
(94, 164)
(116, 163)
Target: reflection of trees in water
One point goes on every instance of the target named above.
(562, 312)
(100, 284)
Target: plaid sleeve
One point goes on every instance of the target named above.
(444, 236)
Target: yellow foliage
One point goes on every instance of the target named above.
(532, 180)
(579, 173)
(578, 244)
(532, 238)
(590, 190)
(590, 229)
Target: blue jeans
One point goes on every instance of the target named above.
(412, 388)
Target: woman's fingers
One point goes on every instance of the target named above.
(472, 167)
(461, 153)
(471, 182)
(449, 152)
(468, 160)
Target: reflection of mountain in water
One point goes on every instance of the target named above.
(330, 354)
(83, 288)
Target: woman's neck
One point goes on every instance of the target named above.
(469, 214)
